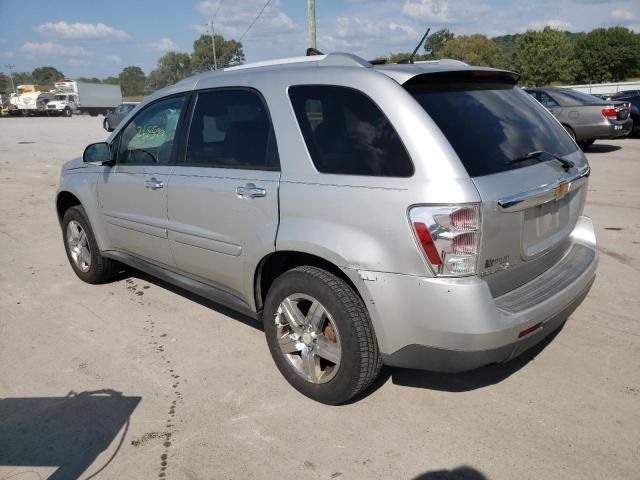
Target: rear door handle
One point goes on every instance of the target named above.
(153, 184)
(251, 191)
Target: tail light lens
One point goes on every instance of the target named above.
(609, 112)
(449, 237)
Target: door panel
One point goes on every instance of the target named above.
(216, 234)
(134, 210)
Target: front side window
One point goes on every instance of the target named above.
(149, 137)
(231, 129)
(346, 133)
(547, 101)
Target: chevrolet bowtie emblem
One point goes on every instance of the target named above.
(562, 190)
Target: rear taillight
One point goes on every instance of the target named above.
(449, 237)
(609, 112)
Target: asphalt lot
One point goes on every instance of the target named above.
(138, 379)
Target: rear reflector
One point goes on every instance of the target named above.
(427, 244)
(529, 330)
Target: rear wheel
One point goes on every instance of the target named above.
(82, 249)
(584, 144)
(320, 335)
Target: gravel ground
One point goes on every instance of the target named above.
(138, 379)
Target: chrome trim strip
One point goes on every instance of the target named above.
(545, 193)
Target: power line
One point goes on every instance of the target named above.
(254, 20)
(215, 15)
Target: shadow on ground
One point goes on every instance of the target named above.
(457, 382)
(460, 473)
(602, 148)
(65, 432)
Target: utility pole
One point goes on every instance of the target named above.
(11, 67)
(213, 45)
(311, 14)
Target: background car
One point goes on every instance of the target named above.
(114, 117)
(634, 102)
(585, 117)
(624, 93)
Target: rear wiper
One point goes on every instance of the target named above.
(535, 155)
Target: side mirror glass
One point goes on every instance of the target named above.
(97, 153)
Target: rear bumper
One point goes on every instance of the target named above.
(453, 325)
(604, 130)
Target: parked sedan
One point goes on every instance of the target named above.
(585, 117)
(634, 103)
(114, 117)
(624, 93)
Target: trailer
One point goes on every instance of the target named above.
(80, 97)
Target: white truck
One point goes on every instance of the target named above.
(79, 97)
(30, 100)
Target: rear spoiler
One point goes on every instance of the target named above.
(450, 78)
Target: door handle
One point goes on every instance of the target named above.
(153, 184)
(251, 191)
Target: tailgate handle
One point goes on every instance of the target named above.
(544, 194)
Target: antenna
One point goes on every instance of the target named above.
(410, 59)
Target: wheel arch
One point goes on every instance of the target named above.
(64, 201)
(276, 263)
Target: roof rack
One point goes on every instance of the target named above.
(328, 60)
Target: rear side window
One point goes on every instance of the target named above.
(346, 133)
(231, 129)
(490, 123)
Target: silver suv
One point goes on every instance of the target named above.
(422, 215)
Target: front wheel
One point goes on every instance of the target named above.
(82, 249)
(320, 335)
(67, 112)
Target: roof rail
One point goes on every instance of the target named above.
(328, 60)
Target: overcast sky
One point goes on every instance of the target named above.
(98, 38)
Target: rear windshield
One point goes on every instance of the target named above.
(490, 124)
(568, 97)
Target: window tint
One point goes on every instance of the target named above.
(231, 129)
(568, 97)
(148, 138)
(489, 124)
(547, 101)
(346, 133)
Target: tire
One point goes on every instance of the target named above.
(67, 112)
(82, 251)
(344, 333)
(584, 144)
(105, 125)
(570, 132)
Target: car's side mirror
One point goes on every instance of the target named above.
(98, 154)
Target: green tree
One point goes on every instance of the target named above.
(473, 49)
(22, 78)
(172, 67)
(228, 52)
(132, 81)
(47, 75)
(545, 56)
(437, 40)
(611, 54)
(89, 80)
(111, 81)
(5, 83)
(396, 57)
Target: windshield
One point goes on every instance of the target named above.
(491, 124)
(61, 97)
